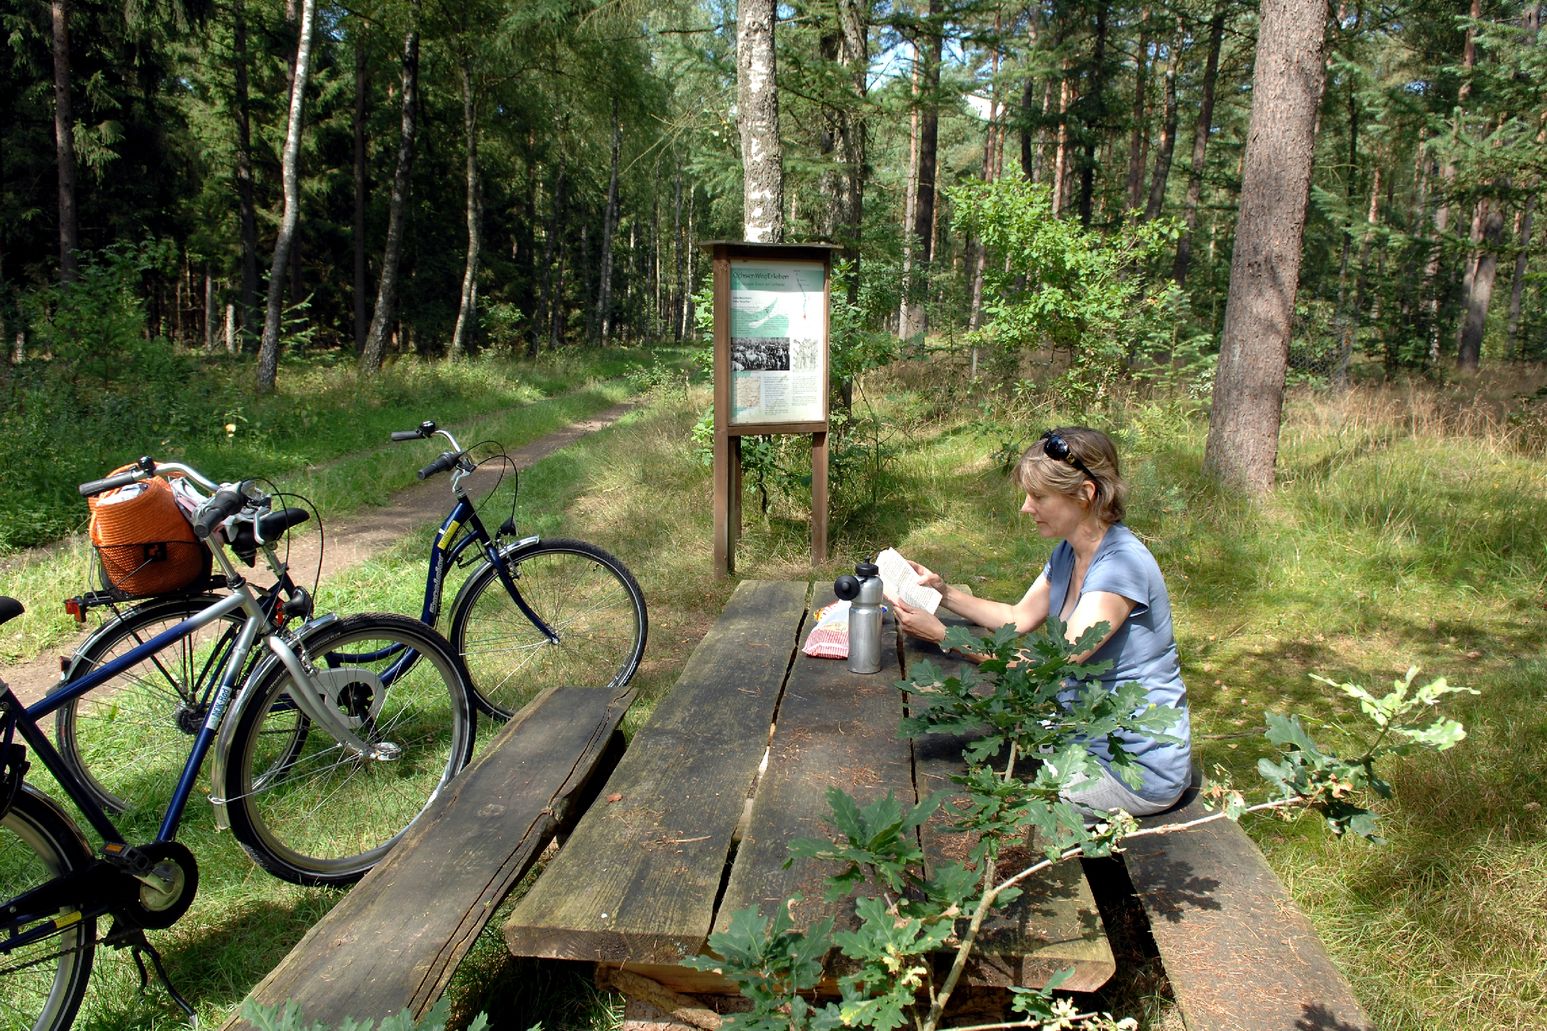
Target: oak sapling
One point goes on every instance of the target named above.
(1029, 708)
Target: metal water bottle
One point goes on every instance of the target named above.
(863, 592)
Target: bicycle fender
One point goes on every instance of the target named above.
(508, 552)
(260, 672)
(59, 811)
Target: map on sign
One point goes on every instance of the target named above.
(777, 344)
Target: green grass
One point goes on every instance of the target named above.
(342, 464)
(1394, 540)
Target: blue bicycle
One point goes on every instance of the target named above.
(534, 612)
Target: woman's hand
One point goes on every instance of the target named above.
(927, 577)
(918, 623)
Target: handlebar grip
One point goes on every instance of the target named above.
(406, 435)
(440, 465)
(107, 483)
(226, 503)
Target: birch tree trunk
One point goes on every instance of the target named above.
(64, 141)
(385, 312)
(467, 307)
(1200, 142)
(290, 178)
(1242, 447)
(757, 103)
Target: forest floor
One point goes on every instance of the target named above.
(350, 540)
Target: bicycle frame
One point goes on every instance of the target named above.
(462, 529)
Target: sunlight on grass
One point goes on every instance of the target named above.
(1410, 528)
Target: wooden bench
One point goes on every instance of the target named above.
(665, 857)
(1240, 956)
(394, 941)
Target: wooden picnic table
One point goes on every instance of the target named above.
(735, 762)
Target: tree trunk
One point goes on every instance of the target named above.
(914, 322)
(64, 142)
(1094, 102)
(1157, 197)
(1030, 116)
(467, 307)
(247, 205)
(1135, 185)
(679, 274)
(290, 177)
(1431, 304)
(361, 270)
(1358, 316)
(1242, 447)
(609, 230)
(757, 104)
(1061, 150)
(385, 312)
(1200, 141)
(1518, 280)
(548, 300)
(1479, 288)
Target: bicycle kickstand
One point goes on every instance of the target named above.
(140, 948)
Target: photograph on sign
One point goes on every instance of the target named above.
(777, 321)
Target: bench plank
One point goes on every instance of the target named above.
(1055, 924)
(1239, 954)
(637, 879)
(393, 944)
(835, 729)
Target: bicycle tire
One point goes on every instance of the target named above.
(128, 738)
(42, 985)
(589, 598)
(318, 814)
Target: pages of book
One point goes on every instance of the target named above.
(898, 580)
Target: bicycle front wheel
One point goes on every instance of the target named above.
(312, 810)
(41, 983)
(585, 596)
(128, 739)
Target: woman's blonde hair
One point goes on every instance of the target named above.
(1090, 452)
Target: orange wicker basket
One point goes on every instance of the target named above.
(144, 541)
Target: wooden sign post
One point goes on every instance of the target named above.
(770, 370)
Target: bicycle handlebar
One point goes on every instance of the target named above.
(107, 483)
(144, 469)
(227, 502)
(447, 460)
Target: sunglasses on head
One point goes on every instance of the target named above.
(1057, 448)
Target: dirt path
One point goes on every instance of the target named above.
(350, 540)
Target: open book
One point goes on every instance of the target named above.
(899, 581)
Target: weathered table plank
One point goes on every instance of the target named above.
(835, 729)
(1054, 925)
(638, 878)
(1239, 954)
(395, 940)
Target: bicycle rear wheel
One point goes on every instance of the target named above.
(586, 596)
(309, 809)
(127, 739)
(41, 984)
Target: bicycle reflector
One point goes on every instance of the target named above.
(77, 608)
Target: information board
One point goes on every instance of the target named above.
(778, 320)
